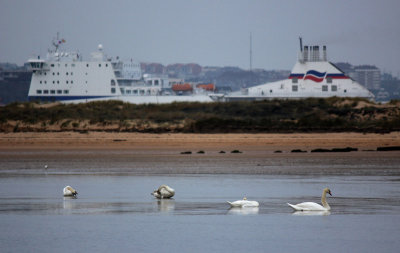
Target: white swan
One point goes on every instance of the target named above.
(312, 206)
(244, 203)
(163, 192)
(69, 191)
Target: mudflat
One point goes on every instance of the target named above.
(142, 153)
(182, 142)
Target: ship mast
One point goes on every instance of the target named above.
(251, 54)
(55, 42)
(301, 44)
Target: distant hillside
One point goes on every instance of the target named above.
(309, 115)
(14, 86)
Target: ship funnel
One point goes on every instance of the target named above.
(315, 53)
(305, 53)
(325, 58)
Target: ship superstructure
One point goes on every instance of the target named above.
(65, 76)
(312, 76)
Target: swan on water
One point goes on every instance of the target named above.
(312, 206)
(244, 203)
(69, 191)
(163, 192)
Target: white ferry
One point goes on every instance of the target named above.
(66, 77)
(312, 76)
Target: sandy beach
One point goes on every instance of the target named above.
(182, 142)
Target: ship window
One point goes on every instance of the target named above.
(38, 91)
(72, 82)
(156, 82)
(112, 82)
(45, 82)
(295, 88)
(87, 65)
(54, 82)
(58, 73)
(46, 91)
(67, 73)
(106, 65)
(52, 91)
(345, 91)
(66, 65)
(99, 65)
(128, 91)
(112, 90)
(334, 88)
(45, 73)
(66, 82)
(66, 91)
(59, 91)
(324, 87)
(329, 80)
(53, 73)
(72, 73)
(40, 82)
(122, 90)
(135, 92)
(270, 91)
(58, 81)
(52, 65)
(294, 80)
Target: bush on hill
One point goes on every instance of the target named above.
(322, 115)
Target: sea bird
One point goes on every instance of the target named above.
(244, 203)
(69, 191)
(312, 206)
(163, 192)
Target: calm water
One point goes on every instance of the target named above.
(116, 213)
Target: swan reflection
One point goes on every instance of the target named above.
(311, 213)
(243, 211)
(68, 203)
(166, 205)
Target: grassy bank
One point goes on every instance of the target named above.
(308, 115)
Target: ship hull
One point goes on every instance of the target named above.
(128, 99)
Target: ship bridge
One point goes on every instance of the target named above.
(37, 64)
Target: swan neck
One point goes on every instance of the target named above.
(324, 202)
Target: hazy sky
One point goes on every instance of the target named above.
(208, 32)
